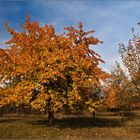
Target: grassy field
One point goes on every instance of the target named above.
(107, 126)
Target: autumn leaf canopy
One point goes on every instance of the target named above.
(40, 65)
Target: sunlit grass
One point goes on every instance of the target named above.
(71, 127)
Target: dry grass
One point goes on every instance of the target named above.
(107, 126)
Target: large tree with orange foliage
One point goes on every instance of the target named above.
(49, 70)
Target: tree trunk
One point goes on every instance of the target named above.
(1, 112)
(118, 113)
(50, 116)
(129, 110)
(93, 116)
(122, 114)
(18, 111)
(50, 112)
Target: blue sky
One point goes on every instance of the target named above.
(112, 20)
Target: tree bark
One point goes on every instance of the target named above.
(50, 112)
(1, 112)
(18, 111)
(122, 114)
(50, 116)
(129, 109)
(93, 116)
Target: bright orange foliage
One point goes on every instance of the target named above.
(120, 93)
(45, 69)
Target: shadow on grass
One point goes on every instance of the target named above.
(81, 122)
(7, 120)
